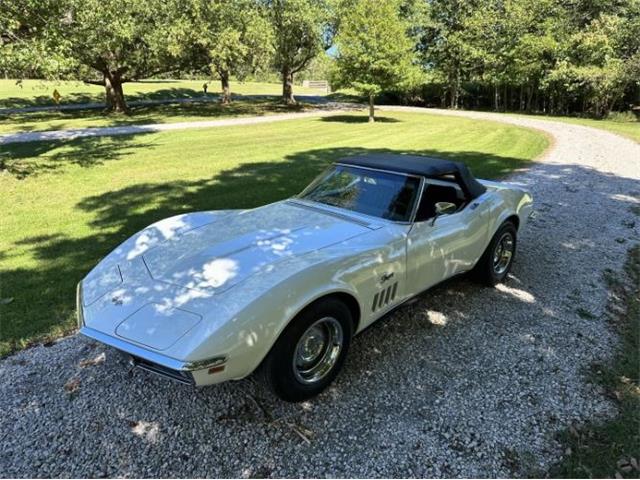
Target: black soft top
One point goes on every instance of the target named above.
(423, 166)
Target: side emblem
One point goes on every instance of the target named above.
(386, 276)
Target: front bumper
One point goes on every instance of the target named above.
(203, 372)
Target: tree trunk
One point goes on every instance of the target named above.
(114, 94)
(529, 98)
(455, 90)
(226, 91)
(371, 109)
(521, 105)
(287, 87)
(505, 99)
(496, 98)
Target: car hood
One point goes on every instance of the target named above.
(219, 255)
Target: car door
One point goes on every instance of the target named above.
(437, 250)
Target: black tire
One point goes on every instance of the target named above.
(487, 271)
(279, 370)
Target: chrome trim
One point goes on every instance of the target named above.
(202, 364)
(404, 174)
(175, 375)
(412, 218)
(150, 356)
(79, 306)
(318, 350)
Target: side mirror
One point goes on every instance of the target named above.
(444, 208)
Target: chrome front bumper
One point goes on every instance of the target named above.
(138, 357)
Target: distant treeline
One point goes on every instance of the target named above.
(553, 56)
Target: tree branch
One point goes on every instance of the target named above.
(304, 63)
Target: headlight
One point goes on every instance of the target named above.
(79, 312)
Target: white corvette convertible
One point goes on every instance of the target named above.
(212, 296)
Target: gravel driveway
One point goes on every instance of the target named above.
(468, 381)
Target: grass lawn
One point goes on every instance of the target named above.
(68, 203)
(30, 93)
(61, 120)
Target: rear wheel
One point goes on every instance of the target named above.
(310, 352)
(495, 263)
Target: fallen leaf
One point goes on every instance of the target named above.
(6, 301)
(72, 385)
(88, 362)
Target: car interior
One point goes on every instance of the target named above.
(438, 192)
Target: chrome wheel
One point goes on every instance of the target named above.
(503, 253)
(318, 350)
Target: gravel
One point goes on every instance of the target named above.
(466, 382)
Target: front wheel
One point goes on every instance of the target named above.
(496, 261)
(310, 352)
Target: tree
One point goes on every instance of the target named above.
(302, 29)
(444, 45)
(236, 38)
(23, 49)
(107, 42)
(374, 50)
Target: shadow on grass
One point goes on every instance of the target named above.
(23, 160)
(98, 97)
(62, 261)
(159, 113)
(357, 119)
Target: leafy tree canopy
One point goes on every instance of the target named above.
(374, 51)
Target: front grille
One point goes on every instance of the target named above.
(178, 376)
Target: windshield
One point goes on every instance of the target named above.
(379, 194)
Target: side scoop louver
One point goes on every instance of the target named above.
(384, 297)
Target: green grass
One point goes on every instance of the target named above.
(607, 449)
(61, 120)
(67, 204)
(28, 93)
(37, 92)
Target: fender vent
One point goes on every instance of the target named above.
(384, 297)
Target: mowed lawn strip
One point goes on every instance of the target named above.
(141, 115)
(32, 93)
(69, 203)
